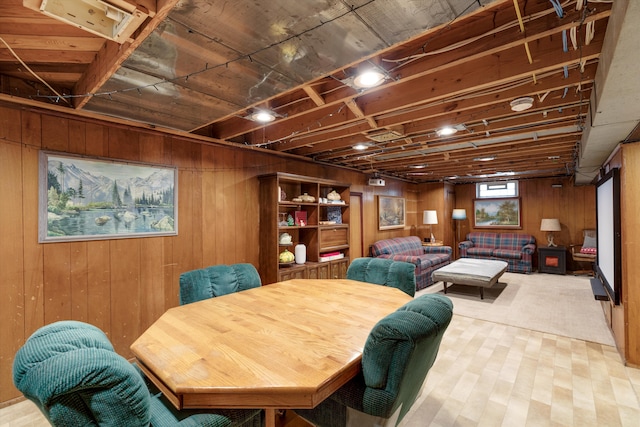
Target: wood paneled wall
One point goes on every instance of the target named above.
(625, 317)
(573, 205)
(123, 285)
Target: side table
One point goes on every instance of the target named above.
(552, 259)
(436, 243)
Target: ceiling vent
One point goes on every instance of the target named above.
(385, 135)
(98, 17)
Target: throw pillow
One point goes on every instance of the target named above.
(590, 251)
(590, 242)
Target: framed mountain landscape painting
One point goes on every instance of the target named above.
(83, 198)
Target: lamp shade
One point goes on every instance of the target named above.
(459, 214)
(550, 224)
(429, 217)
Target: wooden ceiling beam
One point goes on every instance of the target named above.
(112, 55)
(481, 75)
(497, 120)
(315, 96)
(424, 67)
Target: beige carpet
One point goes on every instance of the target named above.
(561, 305)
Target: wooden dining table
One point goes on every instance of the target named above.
(285, 345)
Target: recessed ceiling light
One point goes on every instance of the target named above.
(418, 166)
(446, 131)
(262, 116)
(521, 104)
(361, 146)
(369, 78)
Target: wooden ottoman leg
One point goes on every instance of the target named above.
(445, 286)
(481, 292)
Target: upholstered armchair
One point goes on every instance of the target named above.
(217, 280)
(398, 353)
(70, 370)
(383, 271)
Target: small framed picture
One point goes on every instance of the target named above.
(391, 212)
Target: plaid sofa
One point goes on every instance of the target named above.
(516, 249)
(410, 249)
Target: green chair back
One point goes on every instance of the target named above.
(70, 370)
(397, 356)
(386, 272)
(217, 280)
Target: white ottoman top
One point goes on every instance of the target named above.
(471, 271)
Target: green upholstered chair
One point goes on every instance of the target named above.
(217, 280)
(70, 370)
(398, 353)
(382, 271)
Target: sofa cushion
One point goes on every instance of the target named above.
(395, 246)
(429, 260)
(485, 252)
(507, 253)
(515, 241)
(484, 240)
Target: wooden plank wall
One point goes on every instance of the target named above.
(123, 285)
(573, 205)
(625, 317)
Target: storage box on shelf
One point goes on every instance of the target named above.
(285, 200)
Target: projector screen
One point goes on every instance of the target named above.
(608, 263)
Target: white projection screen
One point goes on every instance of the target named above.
(608, 263)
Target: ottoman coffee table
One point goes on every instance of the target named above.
(483, 273)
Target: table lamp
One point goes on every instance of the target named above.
(430, 217)
(550, 225)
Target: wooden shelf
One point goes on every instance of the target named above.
(318, 238)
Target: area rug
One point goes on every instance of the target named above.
(561, 305)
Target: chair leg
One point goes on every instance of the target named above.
(581, 272)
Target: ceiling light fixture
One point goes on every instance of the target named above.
(521, 104)
(446, 131)
(369, 78)
(361, 146)
(262, 116)
(484, 159)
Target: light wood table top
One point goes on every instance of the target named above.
(285, 345)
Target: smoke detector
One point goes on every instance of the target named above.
(521, 104)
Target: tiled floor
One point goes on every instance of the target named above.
(490, 374)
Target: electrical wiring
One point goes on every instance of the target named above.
(59, 96)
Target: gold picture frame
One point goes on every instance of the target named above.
(86, 198)
(392, 212)
(497, 213)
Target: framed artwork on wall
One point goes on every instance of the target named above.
(391, 212)
(83, 198)
(497, 213)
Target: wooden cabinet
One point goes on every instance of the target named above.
(320, 223)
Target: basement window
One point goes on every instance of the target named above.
(497, 189)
